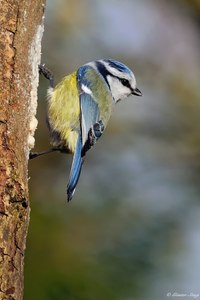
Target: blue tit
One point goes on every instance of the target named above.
(80, 106)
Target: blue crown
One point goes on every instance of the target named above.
(117, 65)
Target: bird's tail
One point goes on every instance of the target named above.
(75, 169)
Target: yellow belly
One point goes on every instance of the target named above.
(64, 111)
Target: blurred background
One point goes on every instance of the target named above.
(132, 229)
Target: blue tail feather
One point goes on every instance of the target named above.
(75, 169)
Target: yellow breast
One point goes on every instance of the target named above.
(64, 110)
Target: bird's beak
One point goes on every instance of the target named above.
(137, 92)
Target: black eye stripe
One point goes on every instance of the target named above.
(126, 83)
(104, 72)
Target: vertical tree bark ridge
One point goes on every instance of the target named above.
(21, 29)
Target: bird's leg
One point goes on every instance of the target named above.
(36, 154)
(47, 74)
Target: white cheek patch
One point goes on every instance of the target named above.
(118, 90)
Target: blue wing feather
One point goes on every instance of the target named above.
(89, 114)
(75, 169)
(91, 128)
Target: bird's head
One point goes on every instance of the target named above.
(119, 78)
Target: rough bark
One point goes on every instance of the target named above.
(21, 28)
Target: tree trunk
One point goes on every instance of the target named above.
(21, 29)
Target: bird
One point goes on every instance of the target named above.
(80, 106)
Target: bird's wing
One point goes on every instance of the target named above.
(95, 111)
(91, 129)
(92, 123)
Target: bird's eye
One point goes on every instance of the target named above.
(125, 82)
